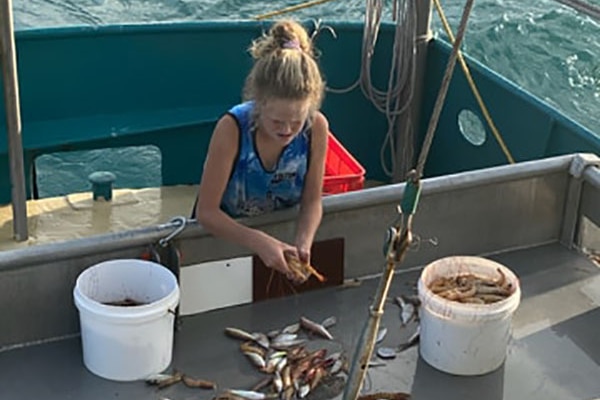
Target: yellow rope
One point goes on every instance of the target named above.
(290, 9)
(465, 69)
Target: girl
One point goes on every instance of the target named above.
(268, 153)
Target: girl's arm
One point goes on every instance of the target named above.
(221, 155)
(311, 209)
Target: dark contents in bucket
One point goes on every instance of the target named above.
(472, 289)
(126, 302)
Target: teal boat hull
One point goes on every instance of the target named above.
(166, 85)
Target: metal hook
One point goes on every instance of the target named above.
(418, 240)
(394, 232)
(182, 223)
(319, 26)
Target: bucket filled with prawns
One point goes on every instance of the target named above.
(467, 304)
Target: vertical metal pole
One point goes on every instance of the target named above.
(13, 121)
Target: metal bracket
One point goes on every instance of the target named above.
(581, 162)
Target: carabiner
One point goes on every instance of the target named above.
(182, 223)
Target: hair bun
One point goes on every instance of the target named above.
(289, 34)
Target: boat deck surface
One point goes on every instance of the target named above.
(76, 215)
(554, 352)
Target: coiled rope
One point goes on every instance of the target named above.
(394, 101)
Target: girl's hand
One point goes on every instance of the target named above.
(273, 252)
(303, 251)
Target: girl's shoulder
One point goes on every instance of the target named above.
(226, 133)
(320, 126)
(320, 121)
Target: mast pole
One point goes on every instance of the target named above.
(13, 121)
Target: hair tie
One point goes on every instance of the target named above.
(292, 44)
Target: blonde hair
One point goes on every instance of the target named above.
(284, 67)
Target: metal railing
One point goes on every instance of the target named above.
(13, 121)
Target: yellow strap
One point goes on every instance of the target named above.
(465, 69)
(291, 8)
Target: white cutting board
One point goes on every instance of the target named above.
(216, 284)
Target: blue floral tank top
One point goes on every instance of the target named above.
(253, 190)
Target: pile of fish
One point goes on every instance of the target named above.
(409, 312)
(292, 370)
(472, 289)
(293, 366)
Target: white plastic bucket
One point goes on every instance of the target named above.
(465, 339)
(126, 343)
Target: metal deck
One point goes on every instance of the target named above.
(554, 353)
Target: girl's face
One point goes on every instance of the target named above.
(281, 120)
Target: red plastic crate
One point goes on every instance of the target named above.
(342, 172)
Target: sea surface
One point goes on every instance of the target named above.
(548, 49)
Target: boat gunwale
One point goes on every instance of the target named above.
(97, 244)
(73, 31)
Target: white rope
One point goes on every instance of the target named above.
(395, 99)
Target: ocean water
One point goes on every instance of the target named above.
(548, 49)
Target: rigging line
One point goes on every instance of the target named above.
(443, 91)
(471, 82)
(588, 9)
(291, 9)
